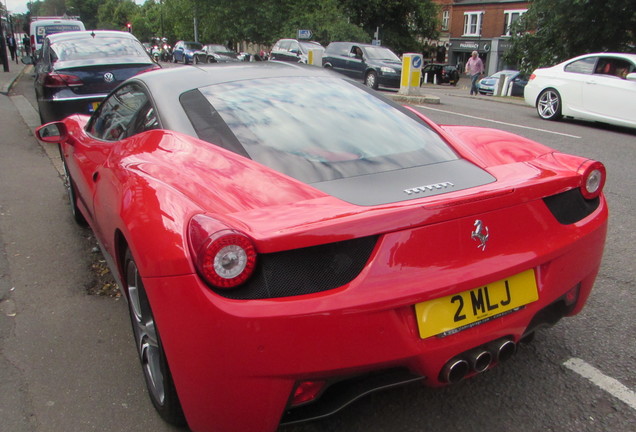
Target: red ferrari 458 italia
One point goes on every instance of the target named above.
(289, 240)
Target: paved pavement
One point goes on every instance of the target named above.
(435, 94)
(8, 78)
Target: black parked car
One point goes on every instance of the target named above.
(77, 70)
(213, 53)
(374, 65)
(292, 50)
(445, 74)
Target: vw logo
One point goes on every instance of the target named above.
(109, 77)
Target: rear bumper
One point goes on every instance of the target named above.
(229, 357)
(59, 108)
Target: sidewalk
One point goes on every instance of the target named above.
(8, 78)
(433, 94)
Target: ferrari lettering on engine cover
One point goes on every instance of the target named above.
(427, 188)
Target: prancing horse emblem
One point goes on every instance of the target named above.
(480, 234)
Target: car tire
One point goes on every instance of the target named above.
(549, 105)
(211, 60)
(371, 80)
(174, 59)
(195, 60)
(71, 191)
(153, 360)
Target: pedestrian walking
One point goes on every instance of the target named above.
(474, 68)
(12, 47)
(26, 45)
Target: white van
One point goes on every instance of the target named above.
(43, 26)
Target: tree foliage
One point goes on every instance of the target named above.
(403, 24)
(552, 31)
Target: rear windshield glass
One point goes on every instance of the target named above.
(85, 48)
(313, 129)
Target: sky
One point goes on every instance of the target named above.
(16, 6)
(20, 6)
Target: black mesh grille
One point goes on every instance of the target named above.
(570, 207)
(305, 271)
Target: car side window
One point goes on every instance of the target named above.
(612, 66)
(284, 45)
(583, 66)
(124, 113)
(356, 52)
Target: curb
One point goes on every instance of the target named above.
(6, 87)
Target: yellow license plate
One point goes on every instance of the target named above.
(447, 315)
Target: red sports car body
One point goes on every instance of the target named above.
(260, 297)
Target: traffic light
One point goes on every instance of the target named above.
(129, 27)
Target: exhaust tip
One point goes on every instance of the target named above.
(506, 350)
(454, 371)
(479, 360)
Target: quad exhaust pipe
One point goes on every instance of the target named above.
(477, 360)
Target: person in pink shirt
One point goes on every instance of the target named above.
(474, 68)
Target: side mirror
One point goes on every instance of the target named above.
(27, 60)
(52, 133)
(631, 76)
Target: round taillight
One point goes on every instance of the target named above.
(593, 180)
(224, 258)
(228, 259)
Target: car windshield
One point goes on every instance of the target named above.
(218, 49)
(99, 47)
(381, 53)
(314, 129)
(504, 72)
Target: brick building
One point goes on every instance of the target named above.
(477, 25)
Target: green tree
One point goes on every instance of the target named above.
(552, 31)
(403, 24)
(115, 14)
(86, 10)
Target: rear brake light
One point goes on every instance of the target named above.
(307, 391)
(62, 80)
(592, 179)
(224, 258)
(532, 76)
(151, 68)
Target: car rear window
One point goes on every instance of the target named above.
(89, 48)
(313, 129)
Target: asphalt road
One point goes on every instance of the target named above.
(67, 361)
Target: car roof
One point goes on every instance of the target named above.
(88, 34)
(628, 56)
(180, 79)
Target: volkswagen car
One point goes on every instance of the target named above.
(289, 240)
(77, 70)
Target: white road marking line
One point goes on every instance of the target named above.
(610, 385)
(499, 122)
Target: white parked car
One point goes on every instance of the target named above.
(599, 87)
